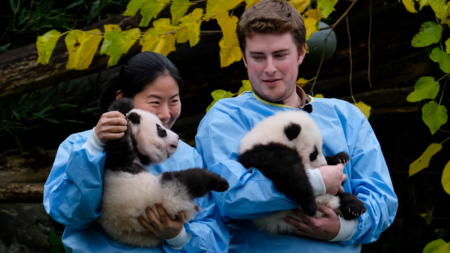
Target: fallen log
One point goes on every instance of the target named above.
(22, 192)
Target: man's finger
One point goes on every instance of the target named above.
(324, 209)
(181, 218)
(146, 225)
(152, 218)
(344, 177)
(341, 189)
(298, 232)
(296, 223)
(163, 216)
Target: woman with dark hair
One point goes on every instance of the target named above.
(73, 191)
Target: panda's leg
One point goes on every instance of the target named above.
(198, 182)
(351, 206)
(341, 157)
(284, 167)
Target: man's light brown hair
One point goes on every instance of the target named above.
(271, 16)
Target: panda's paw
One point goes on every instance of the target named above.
(351, 206)
(341, 157)
(219, 185)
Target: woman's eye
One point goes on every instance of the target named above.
(154, 102)
(175, 101)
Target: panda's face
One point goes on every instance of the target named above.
(294, 129)
(152, 138)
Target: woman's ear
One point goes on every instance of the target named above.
(119, 94)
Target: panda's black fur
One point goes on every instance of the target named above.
(128, 188)
(283, 147)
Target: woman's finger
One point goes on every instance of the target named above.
(114, 129)
(114, 122)
(113, 114)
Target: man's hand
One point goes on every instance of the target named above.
(164, 227)
(111, 126)
(333, 176)
(324, 228)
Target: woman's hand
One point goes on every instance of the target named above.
(111, 126)
(333, 176)
(324, 228)
(164, 227)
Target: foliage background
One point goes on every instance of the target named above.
(47, 116)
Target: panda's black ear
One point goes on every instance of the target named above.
(122, 105)
(292, 131)
(135, 118)
(307, 108)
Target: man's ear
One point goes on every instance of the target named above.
(119, 94)
(243, 58)
(302, 54)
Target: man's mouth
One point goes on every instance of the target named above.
(271, 82)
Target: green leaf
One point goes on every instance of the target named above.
(447, 46)
(14, 7)
(193, 22)
(178, 9)
(429, 33)
(424, 160)
(4, 48)
(119, 43)
(434, 115)
(426, 87)
(326, 7)
(45, 45)
(150, 9)
(440, 9)
(445, 180)
(133, 6)
(437, 246)
(442, 58)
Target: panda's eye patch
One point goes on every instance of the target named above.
(292, 131)
(161, 132)
(134, 118)
(313, 155)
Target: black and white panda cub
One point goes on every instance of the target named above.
(283, 147)
(128, 188)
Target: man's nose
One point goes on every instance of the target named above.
(270, 67)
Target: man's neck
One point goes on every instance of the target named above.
(297, 99)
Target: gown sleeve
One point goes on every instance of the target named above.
(370, 180)
(73, 191)
(251, 194)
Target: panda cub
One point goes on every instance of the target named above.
(128, 188)
(283, 147)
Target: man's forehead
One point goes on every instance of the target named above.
(269, 43)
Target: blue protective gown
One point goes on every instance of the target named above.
(73, 191)
(251, 195)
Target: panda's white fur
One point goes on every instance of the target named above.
(271, 130)
(128, 188)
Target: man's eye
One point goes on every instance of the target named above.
(280, 55)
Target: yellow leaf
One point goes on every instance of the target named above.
(319, 96)
(182, 34)
(112, 27)
(440, 9)
(150, 40)
(300, 5)
(218, 95)
(166, 45)
(131, 35)
(311, 19)
(193, 22)
(82, 47)
(302, 81)
(446, 178)
(178, 8)
(162, 25)
(45, 45)
(365, 109)
(250, 3)
(246, 86)
(424, 160)
(150, 9)
(229, 44)
(217, 6)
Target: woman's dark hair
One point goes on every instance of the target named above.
(139, 71)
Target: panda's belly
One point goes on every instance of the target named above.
(125, 198)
